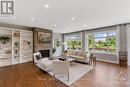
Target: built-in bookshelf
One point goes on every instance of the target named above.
(16, 46)
(5, 47)
(26, 45)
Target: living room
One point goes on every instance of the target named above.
(64, 43)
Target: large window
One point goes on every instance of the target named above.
(102, 42)
(73, 42)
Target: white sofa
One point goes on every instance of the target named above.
(44, 63)
(80, 56)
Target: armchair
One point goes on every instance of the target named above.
(43, 63)
(61, 67)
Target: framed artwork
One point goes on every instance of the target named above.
(44, 37)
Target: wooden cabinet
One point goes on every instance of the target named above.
(15, 46)
(123, 58)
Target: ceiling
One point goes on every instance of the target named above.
(64, 16)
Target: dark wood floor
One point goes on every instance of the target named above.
(28, 75)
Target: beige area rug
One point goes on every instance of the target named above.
(76, 72)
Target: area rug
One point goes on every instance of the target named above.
(76, 72)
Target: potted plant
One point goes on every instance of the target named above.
(4, 39)
(54, 50)
(57, 43)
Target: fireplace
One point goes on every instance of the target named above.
(45, 53)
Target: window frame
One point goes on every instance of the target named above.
(107, 37)
(70, 38)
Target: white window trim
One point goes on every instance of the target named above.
(116, 36)
(71, 35)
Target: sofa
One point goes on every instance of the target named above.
(80, 56)
(43, 63)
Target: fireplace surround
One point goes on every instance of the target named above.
(44, 48)
(45, 53)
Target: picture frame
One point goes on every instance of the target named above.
(44, 37)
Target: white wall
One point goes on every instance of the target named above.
(128, 43)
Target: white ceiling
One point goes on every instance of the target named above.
(88, 14)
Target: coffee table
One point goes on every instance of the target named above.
(71, 60)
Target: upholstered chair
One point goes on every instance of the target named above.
(61, 68)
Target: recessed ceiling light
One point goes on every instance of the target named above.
(85, 25)
(46, 6)
(32, 19)
(54, 25)
(72, 18)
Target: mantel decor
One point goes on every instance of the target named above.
(4, 39)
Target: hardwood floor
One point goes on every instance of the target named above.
(28, 75)
(105, 75)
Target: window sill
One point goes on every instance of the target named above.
(103, 53)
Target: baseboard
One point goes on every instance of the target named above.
(114, 62)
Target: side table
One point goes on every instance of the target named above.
(92, 60)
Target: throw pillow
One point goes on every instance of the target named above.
(38, 57)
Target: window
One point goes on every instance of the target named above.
(103, 42)
(73, 42)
